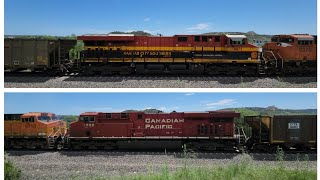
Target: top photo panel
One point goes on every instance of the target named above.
(160, 44)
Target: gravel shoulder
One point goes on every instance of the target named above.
(159, 82)
(83, 165)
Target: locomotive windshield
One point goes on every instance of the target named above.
(286, 40)
(44, 118)
(54, 118)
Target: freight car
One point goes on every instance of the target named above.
(213, 130)
(51, 56)
(287, 132)
(291, 54)
(188, 54)
(33, 130)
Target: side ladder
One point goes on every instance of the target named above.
(242, 138)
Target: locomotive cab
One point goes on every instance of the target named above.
(237, 40)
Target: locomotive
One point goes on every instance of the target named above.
(291, 54)
(178, 54)
(209, 54)
(204, 130)
(208, 131)
(34, 130)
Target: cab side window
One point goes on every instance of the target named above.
(30, 119)
(87, 118)
(182, 39)
(204, 39)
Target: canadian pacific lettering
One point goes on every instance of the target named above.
(161, 123)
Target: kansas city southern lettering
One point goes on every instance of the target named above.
(147, 53)
(153, 123)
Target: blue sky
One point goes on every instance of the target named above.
(76, 103)
(168, 17)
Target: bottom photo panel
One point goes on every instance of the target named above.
(183, 135)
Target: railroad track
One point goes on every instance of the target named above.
(289, 156)
(41, 77)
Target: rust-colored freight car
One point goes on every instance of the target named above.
(33, 130)
(286, 131)
(37, 54)
(135, 130)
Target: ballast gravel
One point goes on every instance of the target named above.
(158, 82)
(88, 165)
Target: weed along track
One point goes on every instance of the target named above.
(117, 164)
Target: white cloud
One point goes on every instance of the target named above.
(162, 108)
(168, 109)
(199, 27)
(223, 102)
(189, 94)
(147, 19)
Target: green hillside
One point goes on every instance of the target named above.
(251, 35)
(271, 111)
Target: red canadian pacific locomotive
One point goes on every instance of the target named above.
(202, 130)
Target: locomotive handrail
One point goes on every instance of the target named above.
(275, 58)
(281, 60)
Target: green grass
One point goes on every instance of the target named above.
(233, 171)
(242, 168)
(10, 172)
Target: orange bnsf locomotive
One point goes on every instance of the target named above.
(291, 54)
(210, 131)
(33, 130)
